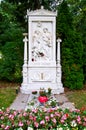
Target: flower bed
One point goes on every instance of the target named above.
(43, 119)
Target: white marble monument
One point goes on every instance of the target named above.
(41, 69)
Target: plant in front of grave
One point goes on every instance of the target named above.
(42, 92)
(49, 91)
(52, 118)
(42, 96)
(53, 103)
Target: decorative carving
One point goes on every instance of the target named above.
(42, 43)
(25, 74)
(41, 76)
(42, 12)
(39, 24)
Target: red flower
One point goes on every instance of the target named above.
(42, 99)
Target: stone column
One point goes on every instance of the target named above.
(25, 66)
(58, 51)
(59, 71)
(25, 40)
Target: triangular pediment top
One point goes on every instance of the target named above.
(41, 12)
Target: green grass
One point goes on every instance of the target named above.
(7, 94)
(78, 97)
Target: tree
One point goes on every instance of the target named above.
(12, 24)
(23, 5)
(81, 27)
(71, 48)
(78, 9)
(11, 44)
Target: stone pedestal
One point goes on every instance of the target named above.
(40, 69)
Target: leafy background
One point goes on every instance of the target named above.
(71, 28)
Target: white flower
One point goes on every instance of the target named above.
(29, 128)
(73, 123)
(67, 128)
(60, 128)
(20, 128)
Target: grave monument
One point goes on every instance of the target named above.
(41, 68)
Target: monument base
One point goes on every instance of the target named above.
(57, 88)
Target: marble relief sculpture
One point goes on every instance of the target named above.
(42, 43)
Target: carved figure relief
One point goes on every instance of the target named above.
(42, 43)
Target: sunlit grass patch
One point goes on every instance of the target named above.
(7, 96)
(77, 97)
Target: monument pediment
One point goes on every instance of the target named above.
(41, 12)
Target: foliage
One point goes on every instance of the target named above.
(42, 92)
(23, 5)
(78, 9)
(12, 24)
(11, 44)
(43, 119)
(72, 49)
(81, 26)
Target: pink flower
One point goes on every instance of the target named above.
(65, 116)
(2, 126)
(15, 113)
(11, 116)
(7, 127)
(35, 110)
(47, 118)
(36, 124)
(8, 110)
(78, 119)
(20, 115)
(34, 118)
(51, 115)
(62, 121)
(24, 114)
(1, 112)
(54, 120)
(84, 123)
(31, 117)
(84, 118)
(77, 110)
(2, 117)
(28, 123)
(57, 114)
(42, 122)
(45, 109)
(20, 124)
(50, 110)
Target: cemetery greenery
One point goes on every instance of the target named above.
(41, 119)
(70, 28)
(72, 48)
(7, 93)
